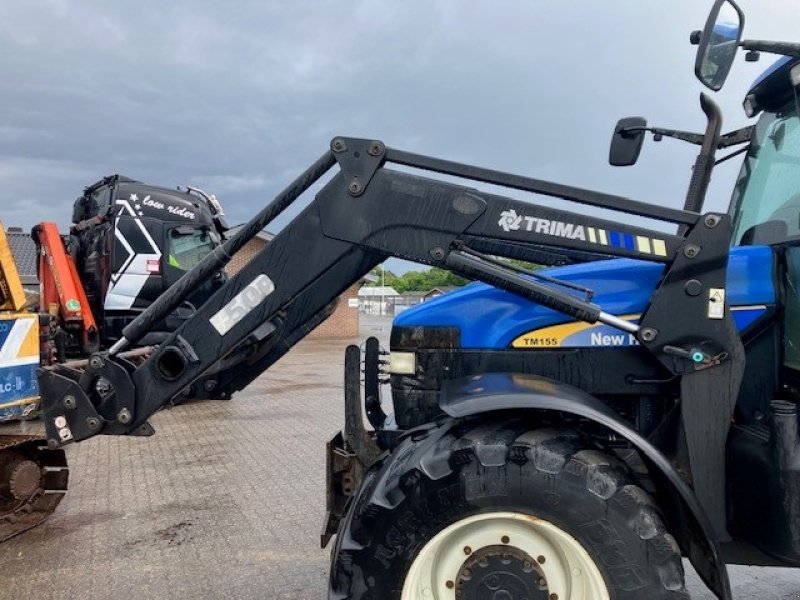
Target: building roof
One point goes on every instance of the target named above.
(24, 250)
(380, 290)
(442, 289)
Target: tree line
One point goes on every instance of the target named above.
(423, 281)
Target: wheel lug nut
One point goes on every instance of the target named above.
(505, 539)
(450, 585)
(540, 559)
(467, 550)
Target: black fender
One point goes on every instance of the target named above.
(492, 392)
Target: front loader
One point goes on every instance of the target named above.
(580, 470)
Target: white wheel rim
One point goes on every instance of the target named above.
(569, 571)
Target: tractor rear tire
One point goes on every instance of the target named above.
(475, 511)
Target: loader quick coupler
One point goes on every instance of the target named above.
(82, 398)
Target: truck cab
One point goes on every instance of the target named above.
(132, 241)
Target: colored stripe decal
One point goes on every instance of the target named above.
(628, 238)
(659, 248)
(643, 244)
(578, 334)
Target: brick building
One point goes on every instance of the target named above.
(343, 323)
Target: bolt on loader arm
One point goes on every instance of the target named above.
(364, 214)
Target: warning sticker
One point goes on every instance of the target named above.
(716, 303)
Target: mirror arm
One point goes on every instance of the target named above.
(686, 136)
(786, 48)
(738, 136)
(704, 164)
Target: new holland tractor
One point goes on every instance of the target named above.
(567, 434)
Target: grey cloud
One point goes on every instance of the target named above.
(238, 98)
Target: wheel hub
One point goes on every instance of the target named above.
(501, 573)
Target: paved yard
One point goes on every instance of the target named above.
(226, 501)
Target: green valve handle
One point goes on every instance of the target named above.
(698, 356)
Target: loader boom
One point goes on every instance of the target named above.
(365, 214)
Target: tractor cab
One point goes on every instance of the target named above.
(765, 207)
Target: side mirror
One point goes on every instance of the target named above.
(719, 43)
(626, 143)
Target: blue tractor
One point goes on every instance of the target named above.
(568, 434)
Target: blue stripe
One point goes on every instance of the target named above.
(628, 241)
(614, 239)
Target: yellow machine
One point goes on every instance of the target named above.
(33, 477)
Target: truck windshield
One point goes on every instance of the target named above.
(186, 249)
(766, 200)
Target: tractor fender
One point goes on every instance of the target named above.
(492, 392)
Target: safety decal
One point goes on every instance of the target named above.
(716, 303)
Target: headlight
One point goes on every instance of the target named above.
(402, 363)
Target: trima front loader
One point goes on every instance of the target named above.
(583, 471)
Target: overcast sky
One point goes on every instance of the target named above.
(238, 98)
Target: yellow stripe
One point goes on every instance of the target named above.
(643, 243)
(12, 296)
(555, 335)
(603, 239)
(30, 346)
(21, 402)
(591, 235)
(659, 248)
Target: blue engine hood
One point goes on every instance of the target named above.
(491, 318)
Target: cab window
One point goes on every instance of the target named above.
(188, 246)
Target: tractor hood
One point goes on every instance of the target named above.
(492, 318)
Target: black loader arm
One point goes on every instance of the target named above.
(365, 213)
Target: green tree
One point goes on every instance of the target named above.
(422, 281)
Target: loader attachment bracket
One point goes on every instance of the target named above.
(358, 160)
(83, 403)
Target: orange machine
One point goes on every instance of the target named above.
(62, 293)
